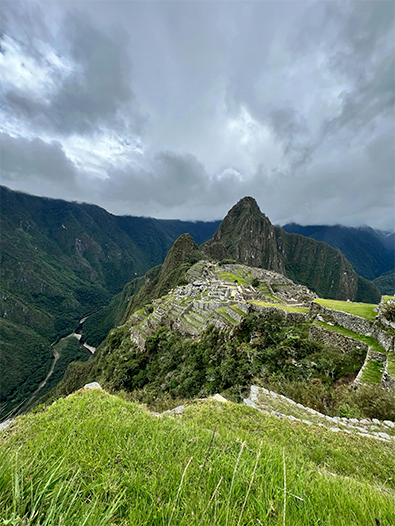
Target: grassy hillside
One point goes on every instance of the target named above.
(369, 252)
(386, 283)
(323, 269)
(98, 460)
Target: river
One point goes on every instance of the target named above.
(77, 334)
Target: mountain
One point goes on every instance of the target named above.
(59, 262)
(247, 236)
(386, 283)
(197, 333)
(370, 252)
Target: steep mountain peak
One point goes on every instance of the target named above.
(245, 210)
(246, 235)
(247, 204)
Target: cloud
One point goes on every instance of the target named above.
(180, 109)
(84, 76)
(22, 158)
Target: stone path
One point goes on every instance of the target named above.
(269, 402)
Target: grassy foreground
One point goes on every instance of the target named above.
(96, 459)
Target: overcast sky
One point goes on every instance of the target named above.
(179, 109)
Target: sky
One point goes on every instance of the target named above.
(178, 109)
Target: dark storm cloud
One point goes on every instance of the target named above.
(35, 159)
(96, 90)
(179, 109)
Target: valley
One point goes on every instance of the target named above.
(60, 261)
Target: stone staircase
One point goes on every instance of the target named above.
(269, 402)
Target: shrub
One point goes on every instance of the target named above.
(255, 282)
(389, 312)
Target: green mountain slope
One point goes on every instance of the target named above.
(386, 283)
(61, 261)
(99, 460)
(370, 253)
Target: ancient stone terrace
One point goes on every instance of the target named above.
(218, 295)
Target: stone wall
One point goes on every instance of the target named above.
(291, 317)
(352, 323)
(387, 380)
(136, 337)
(244, 307)
(235, 315)
(297, 317)
(344, 319)
(327, 337)
(384, 339)
(185, 328)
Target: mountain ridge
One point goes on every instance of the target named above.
(371, 252)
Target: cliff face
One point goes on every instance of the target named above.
(248, 236)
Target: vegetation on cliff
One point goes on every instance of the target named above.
(370, 252)
(61, 261)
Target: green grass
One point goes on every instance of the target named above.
(365, 310)
(139, 469)
(355, 336)
(387, 298)
(274, 298)
(223, 311)
(239, 311)
(228, 276)
(141, 312)
(373, 372)
(288, 308)
(265, 289)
